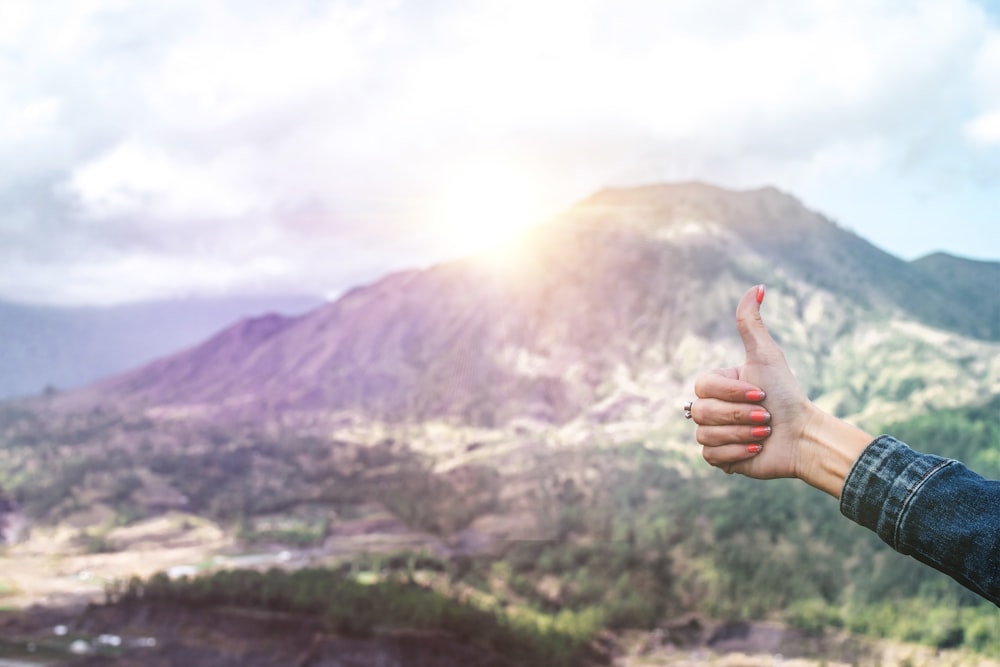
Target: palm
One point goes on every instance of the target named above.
(784, 397)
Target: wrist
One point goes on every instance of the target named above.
(827, 450)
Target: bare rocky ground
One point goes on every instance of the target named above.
(53, 568)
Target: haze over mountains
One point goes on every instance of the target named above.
(606, 312)
(58, 348)
(513, 421)
(586, 333)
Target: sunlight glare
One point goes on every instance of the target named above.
(485, 208)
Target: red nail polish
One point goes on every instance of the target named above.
(760, 293)
(755, 395)
(761, 431)
(754, 449)
(759, 416)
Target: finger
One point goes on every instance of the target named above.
(713, 412)
(749, 323)
(727, 455)
(717, 436)
(716, 384)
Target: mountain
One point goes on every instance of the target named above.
(47, 347)
(507, 428)
(609, 310)
(971, 285)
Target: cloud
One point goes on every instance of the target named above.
(985, 128)
(312, 143)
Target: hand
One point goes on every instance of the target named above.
(731, 408)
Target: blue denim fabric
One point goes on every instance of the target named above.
(931, 508)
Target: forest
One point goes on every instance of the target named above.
(644, 545)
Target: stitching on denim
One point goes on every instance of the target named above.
(904, 507)
(849, 489)
(960, 575)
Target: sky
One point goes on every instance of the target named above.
(198, 147)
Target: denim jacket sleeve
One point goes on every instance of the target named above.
(931, 508)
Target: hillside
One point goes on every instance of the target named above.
(972, 286)
(60, 348)
(612, 307)
(505, 430)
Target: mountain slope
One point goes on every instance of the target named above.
(804, 244)
(607, 311)
(517, 415)
(972, 286)
(63, 347)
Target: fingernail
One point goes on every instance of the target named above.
(755, 395)
(754, 449)
(759, 416)
(760, 293)
(761, 431)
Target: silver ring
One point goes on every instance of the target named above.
(687, 409)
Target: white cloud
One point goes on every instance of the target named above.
(986, 67)
(985, 128)
(258, 132)
(144, 183)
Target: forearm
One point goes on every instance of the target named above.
(827, 451)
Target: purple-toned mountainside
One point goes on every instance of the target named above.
(55, 348)
(604, 295)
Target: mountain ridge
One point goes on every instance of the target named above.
(59, 348)
(970, 282)
(510, 427)
(627, 294)
(778, 225)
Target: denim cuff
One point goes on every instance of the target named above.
(881, 484)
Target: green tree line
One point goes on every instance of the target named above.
(346, 606)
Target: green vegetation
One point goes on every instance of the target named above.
(635, 537)
(7, 589)
(642, 543)
(345, 605)
(296, 533)
(95, 540)
(971, 435)
(427, 501)
(76, 464)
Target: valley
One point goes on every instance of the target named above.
(474, 450)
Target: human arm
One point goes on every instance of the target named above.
(929, 507)
(926, 506)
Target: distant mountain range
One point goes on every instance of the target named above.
(534, 393)
(59, 348)
(607, 311)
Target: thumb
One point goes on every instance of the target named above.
(749, 323)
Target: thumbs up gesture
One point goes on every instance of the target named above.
(752, 419)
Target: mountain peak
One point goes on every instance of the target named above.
(651, 209)
(625, 294)
(684, 189)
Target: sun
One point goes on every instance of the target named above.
(485, 208)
